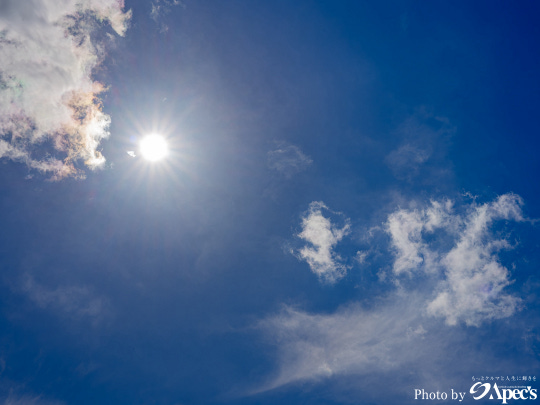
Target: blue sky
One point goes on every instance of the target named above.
(347, 212)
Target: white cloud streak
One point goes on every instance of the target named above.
(322, 236)
(71, 301)
(49, 102)
(353, 340)
(29, 400)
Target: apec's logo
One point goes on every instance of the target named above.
(480, 391)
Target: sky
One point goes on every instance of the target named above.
(347, 212)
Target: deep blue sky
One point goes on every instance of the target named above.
(347, 212)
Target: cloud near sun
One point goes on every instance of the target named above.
(50, 113)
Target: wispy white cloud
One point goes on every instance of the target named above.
(405, 161)
(447, 251)
(27, 399)
(288, 159)
(70, 301)
(472, 277)
(475, 278)
(351, 341)
(407, 229)
(161, 8)
(423, 147)
(361, 257)
(50, 114)
(456, 248)
(322, 236)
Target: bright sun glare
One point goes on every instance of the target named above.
(153, 147)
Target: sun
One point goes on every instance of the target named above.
(153, 147)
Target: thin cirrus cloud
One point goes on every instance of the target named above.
(27, 399)
(50, 113)
(450, 255)
(69, 301)
(352, 340)
(322, 236)
(406, 160)
(288, 160)
(422, 150)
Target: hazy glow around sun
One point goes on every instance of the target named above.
(153, 147)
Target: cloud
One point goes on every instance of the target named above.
(422, 148)
(472, 279)
(406, 229)
(405, 161)
(50, 113)
(322, 236)
(288, 160)
(71, 301)
(29, 400)
(459, 250)
(361, 257)
(161, 8)
(448, 252)
(475, 278)
(352, 340)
